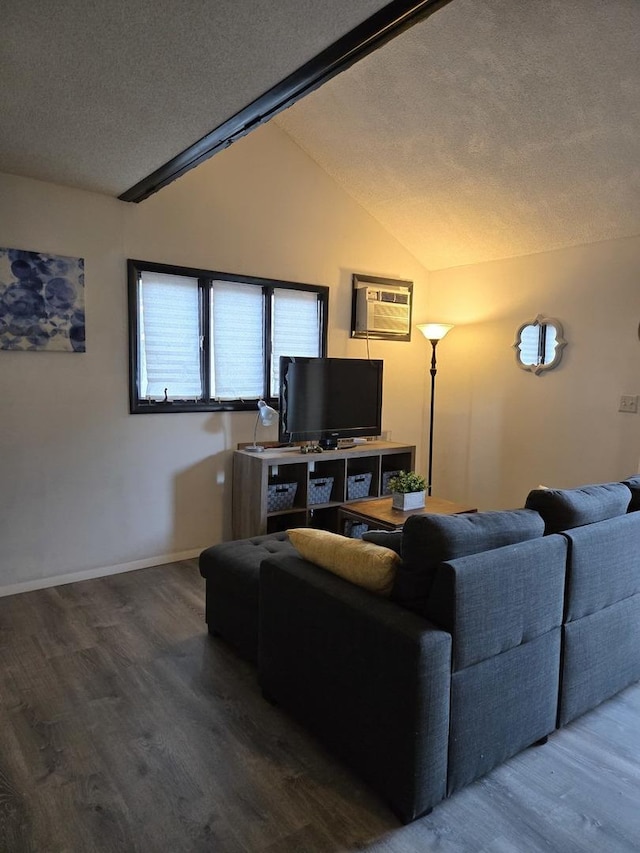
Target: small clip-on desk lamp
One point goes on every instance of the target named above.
(266, 416)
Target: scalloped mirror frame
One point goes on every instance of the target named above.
(560, 344)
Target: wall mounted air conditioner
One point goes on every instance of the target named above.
(381, 308)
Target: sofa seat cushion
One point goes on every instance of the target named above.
(362, 563)
(564, 509)
(429, 540)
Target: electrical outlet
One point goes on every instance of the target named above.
(628, 403)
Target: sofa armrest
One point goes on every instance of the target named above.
(370, 679)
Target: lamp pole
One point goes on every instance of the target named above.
(433, 371)
(434, 332)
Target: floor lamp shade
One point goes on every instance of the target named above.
(433, 332)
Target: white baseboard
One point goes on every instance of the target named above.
(100, 572)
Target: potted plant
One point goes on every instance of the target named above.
(407, 490)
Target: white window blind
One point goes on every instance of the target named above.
(237, 349)
(214, 339)
(296, 328)
(169, 337)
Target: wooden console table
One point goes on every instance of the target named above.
(381, 515)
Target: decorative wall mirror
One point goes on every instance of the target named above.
(539, 344)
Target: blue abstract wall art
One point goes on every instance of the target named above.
(41, 302)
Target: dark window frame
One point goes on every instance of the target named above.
(138, 405)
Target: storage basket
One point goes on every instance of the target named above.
(358, 486)
(280, 495)
(386, 476)
(320, 490)
(355, 529)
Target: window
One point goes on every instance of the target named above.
(207, 341)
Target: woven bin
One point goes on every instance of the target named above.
(386, 476)
(355, 529)
(358, 486)
(280, 495)
(320, 490)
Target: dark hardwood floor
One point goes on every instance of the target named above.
(125, 727)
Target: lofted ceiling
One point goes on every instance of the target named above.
(98, 94)
(491, 129)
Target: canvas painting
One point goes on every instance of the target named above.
(41, 302)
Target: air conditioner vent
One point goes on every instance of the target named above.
(383, 311)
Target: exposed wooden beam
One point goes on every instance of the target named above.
(386, 24)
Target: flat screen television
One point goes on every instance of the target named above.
(324, 399)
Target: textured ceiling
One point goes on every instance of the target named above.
(495, 128)
(99, 93)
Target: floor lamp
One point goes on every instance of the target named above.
(434, 332)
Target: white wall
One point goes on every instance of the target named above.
(501, 431)
(86, 487)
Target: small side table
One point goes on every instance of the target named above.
(379, 513)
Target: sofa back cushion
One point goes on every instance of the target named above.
(429, 540)
(564, 509)
(633, 484)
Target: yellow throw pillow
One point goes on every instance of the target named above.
(370, 566)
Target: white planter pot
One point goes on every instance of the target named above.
(408, 500)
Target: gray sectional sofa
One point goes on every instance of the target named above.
(502, 626)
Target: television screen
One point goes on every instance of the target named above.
(324, 399)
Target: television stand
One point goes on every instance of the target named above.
(278, 489)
